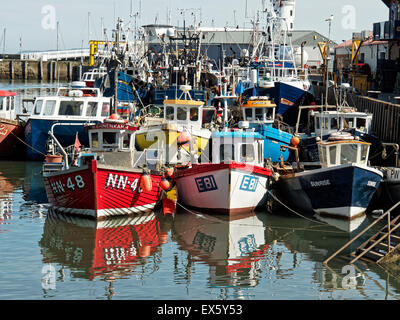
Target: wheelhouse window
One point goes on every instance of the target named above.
(317, 123)
(95, 139)
(181, 113)
(259, 114)
(332, 155)
(348, 153)
(334, 123)
(91, 110)
(350, 122)
(364, 153)
(2, 99)
(126, 141)
(70, 108)
(109, 138)
(105, 109)
(247, 153)
(38, 107)
(194, 114)
(248, 113)
(322, 154)
(169, 113)
(269, 113)
(361, 123)
(226, 152)
(49, 107)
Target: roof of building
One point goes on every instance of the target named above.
(245, 36)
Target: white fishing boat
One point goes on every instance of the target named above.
(70, 105)
(235, 181)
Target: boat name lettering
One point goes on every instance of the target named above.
(394, 174)
(249, 183)
(119, 182)
(320, 183)
(60, 187)
(371, 184)
(3, 130)
(204, 242)
(206, 183)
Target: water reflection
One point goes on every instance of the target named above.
(33, 185)
(107, 249)
(231, 248)
(6, 199)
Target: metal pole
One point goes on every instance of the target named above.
(326, 64)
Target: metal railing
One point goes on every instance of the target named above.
(387, 214)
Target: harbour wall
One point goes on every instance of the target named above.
(15, 69)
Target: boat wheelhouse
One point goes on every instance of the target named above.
(234, 181)
(11, 129)
(105, 179)
(327, 122)
(178, 123)
(91, 76)
(259, 114)
(342, 187)
(69, 105)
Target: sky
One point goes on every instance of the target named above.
(31, 25)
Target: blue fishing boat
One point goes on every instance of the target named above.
(343, 185)
(259, 115)
(69, 105)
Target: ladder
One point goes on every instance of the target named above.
(380, 246)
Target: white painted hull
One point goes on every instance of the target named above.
(223, 190)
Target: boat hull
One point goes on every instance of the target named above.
(342, 192)
(226, 188)
(100, 192)
(11, 135)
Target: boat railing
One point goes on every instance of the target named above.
(54, 138)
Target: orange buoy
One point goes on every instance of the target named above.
(165, 184)
(114, 116)
(168, 206)
(144, 251)
(145, 183)
(184, 137)
(163, 237)
(169, 172)
(295, 141)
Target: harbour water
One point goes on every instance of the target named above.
(188, 256)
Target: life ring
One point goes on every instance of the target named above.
(337, 136)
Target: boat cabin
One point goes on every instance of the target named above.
(326, 122)
(238, 146)
(184, 110)
(258, 110)
(112, 141)
(339, 152)
(7, 105)
(91, 76)
(70, 103)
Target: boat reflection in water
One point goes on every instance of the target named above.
(34, 190)
(6, 199)
(107, 249)
(232, 247)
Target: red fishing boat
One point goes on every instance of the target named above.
(104, 180)
(11, 130)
